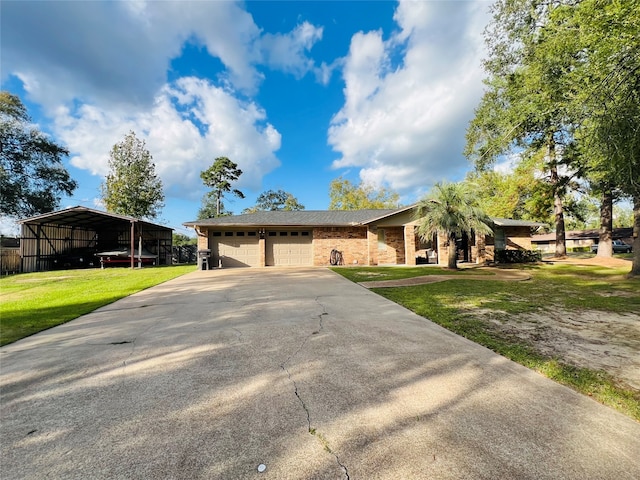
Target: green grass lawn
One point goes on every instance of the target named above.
(570, 287)
(32, 302)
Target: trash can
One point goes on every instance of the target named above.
(204, 259)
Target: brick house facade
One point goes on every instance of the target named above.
(364, 237)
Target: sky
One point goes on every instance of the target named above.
(296, 93)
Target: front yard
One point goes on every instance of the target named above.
(32, 302)
(577, 324)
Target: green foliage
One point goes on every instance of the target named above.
(132, 187)
(622, 216)
(180, 239)
(32, 302)
(521, 194)
(218, 177)
(451, 209)
(525, 109)
(32, 176)
(344, 195)
(275, 200)
(517, 256)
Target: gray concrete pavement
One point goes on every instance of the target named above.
(214, 373)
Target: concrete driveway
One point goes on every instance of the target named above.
(215, 373)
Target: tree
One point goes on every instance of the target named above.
(275, 200)
(525, 110)
(132, 187)
(32, 176)
(180, 240)
(606, 97)
(218, 177)
(211, 208)
(344, 195)
(451, 209)
(520, 194)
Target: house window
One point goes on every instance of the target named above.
(272, 234)
(228, 234)
(294, 234)
(251, 234)
(217, 234)
(239, 234)
(305, 234)
(283, 234)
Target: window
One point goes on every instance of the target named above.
(217, 234)
(305, 234)
(283, 234)
(272, 234)
(239, 234)
(228, 234)
(251, 234)
(294, 234)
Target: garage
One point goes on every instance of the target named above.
(291, 248)
(235, 248)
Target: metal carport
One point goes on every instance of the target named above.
(47, 238)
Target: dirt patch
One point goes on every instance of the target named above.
(611, 262)
(596, 340)
(500, 275)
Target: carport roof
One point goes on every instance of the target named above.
(87, 218)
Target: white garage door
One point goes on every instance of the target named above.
(289, 248)
(236, 249)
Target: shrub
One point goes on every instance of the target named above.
(518, 256)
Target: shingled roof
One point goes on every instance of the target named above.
(320, 218)
(301, 218)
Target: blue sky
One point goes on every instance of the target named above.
(296, 93)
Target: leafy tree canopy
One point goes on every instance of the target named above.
(32, 176)
(180, 239)
(219, 177)
(344, 195)
(132, 187)
(275, 200)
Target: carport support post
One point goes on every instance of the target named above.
(133, 232)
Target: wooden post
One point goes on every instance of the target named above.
(132, 242)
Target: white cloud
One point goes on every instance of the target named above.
(287, 52)
(190, 123)
(403, 121)
(119, 52)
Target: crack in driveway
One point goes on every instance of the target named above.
(310, 429)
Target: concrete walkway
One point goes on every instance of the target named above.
(215, 373)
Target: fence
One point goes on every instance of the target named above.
(185, 254)
(9, 261)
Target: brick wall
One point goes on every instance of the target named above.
(351, 241)
(393, 250)
(203, 241)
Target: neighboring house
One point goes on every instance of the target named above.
(579, 239)
(365, 237)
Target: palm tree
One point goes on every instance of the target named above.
(451, 208)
